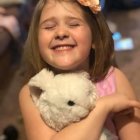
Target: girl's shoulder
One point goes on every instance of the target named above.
(123, 85)
(24, 89)
(107, 86)
(24, 94)
(115, 82)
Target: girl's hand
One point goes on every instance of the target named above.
(118, 103)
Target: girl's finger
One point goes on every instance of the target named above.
(135, 104)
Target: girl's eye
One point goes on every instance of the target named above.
(75, 24)
(49, 27)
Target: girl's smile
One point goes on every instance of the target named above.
(65, 37)
(60, 45)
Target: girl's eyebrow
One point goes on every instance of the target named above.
(47, 20)
(74, 18)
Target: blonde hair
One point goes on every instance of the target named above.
(101, 55)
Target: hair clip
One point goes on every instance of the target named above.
(94, 5)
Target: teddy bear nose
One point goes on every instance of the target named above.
(70, 103)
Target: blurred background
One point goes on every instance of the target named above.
(123, 20)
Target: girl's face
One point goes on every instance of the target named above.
(65, 37)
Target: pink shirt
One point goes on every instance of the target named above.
(107, 87)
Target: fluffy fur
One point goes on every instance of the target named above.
(63, 99)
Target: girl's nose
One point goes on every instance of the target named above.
(61, 34)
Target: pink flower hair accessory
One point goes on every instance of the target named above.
(94, 5)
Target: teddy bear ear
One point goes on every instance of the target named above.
(41, 79)
(35, 93)
(39, 82)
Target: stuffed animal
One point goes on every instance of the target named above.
(65, 98)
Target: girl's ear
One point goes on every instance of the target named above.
(93, 46)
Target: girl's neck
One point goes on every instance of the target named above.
(58, 71)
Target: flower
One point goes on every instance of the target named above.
(94, 5)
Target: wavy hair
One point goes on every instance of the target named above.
(101, 55)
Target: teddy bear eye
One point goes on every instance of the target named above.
(70, 103)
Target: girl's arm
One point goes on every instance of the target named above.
(128, 125)
(87, 129)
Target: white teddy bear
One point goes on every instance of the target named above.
(65, 98)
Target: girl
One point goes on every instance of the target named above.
(72, 35)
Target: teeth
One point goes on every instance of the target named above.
(60, 48)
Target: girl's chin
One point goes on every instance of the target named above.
(65, 68)
(65, 65)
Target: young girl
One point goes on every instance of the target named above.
(68, 36)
